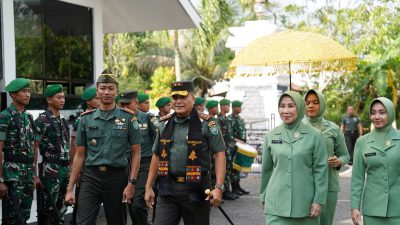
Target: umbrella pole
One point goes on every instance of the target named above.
(290, 76)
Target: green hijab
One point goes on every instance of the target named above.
(389, 106)
(300, 107)
(316, 121)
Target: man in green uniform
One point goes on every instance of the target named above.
(101, 140)
(16, 145)
(52, 138)
(181, 159)
(144, 102)
(199, 104)
(239, 134)
(164, 106)
(227, 132)
(352, 129)
(212, 107)
(148, 128)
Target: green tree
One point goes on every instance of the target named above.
(161, 83)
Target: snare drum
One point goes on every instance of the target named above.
(244, 158)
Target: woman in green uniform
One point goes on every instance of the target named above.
(377, 157)
(294, 180)
(336, 147)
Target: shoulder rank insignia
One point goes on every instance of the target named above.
(166, 117)
(128, 111)
(88, 112)
(204, 116)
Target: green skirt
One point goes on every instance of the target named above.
(376, 220)
(279, 220)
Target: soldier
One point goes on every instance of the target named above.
(52, 139)
(239, 134)
(16, 143)
(148, 128)
(181, 158)
(164, 106)
(352, 129)
(212, 107)
(144, 102)
(101, 140)
(199, 104)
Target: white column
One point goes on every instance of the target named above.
(8, 41)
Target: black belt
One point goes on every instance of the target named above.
(104, 168)
(17, 158)
(351, 131)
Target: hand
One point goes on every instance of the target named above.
(356, 216)
(334, 162)
(315, 210)
(149, 198)
(37, 182)
(215, 197)
(3, 191)
(127, 196)
(70, 197)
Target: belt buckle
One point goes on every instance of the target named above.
(180, 179)
(102, 168)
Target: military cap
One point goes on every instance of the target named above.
(199, 101)
(88, 94)
(53, 89)
(211, 104)
(237, 103)
(163, 101)
(143, 97)
(17, 84)
(126, 97)
(182, 88)
(107, 77)
(224, 102)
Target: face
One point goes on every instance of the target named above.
(183, 105)
(57, 101)
(379, 115)
(200, 108)
(225, 108)
(107, 92)
(144, 106)
(350, 110)
(133, 105)
(166, 109)
(287, 110)
(94, 102)
(213, 110)
(236, 110)
(312, 105)
(22, 96)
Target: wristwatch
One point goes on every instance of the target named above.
(132, 181)
(220, 186)
(1, 180)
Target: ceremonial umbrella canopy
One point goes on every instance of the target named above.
(291, 52)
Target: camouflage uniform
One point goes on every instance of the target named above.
(54, 147)
(239, 132)
(17, 132)
(227, 132)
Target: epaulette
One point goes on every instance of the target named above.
(204, 116)
(165, 117)
(87, 112)
(128, 111)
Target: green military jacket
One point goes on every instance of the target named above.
(17, 132)
(238, 126)
(148, 127)
(294, 173)
(52, 133)
(213, 142)
(105, 134)
(227, 132)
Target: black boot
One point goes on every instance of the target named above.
(235, 189)
(245, 192)
(228, 196)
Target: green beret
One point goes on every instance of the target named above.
(117, 99)
(126, 97)
(211, 104)
(237, 103)
(224, 102)
(17, 84)
(107, 77)
(182, 88)
(163, 101)
(199, 101)
(143, 97)
(53, 89)
(88, 94)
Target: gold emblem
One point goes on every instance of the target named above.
(93, 142)
(296, 134)
(192, 155)
(164, 153)
(388, 142)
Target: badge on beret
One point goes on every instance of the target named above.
(214, 129)
(388, 142)
(93, 142)
(211, 123)
(296, 134)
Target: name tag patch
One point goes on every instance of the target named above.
(370, 154)
(276, 141)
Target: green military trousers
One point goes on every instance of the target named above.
(328, 210)
(279, 220)
(22, 192)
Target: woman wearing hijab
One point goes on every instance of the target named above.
(375, 182)
(335, 146)
(294, 180)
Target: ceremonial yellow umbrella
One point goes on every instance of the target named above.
(291, 52)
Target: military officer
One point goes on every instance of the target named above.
(144, 102)
(199, 104)
(227, 133)
(164, 106)
(16, 145)
(239, 134)
(375, 182)
(294, 168)
(53, 140)
(335, 145)
(212, 107)
(101, 140)
(352, 129)
(148, 128)
(181, 158)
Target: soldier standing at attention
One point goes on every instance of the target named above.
(352, 129)
(144, 102)
(101, 140)
(199, 104)
(227, 132)
(16, 145)
(52, 138)
(212, 107)
(164, 107)
(239, 134)
(181, 158)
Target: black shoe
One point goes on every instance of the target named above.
(235, 195)
(245, 192)
(227, 196)
(235, 189)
